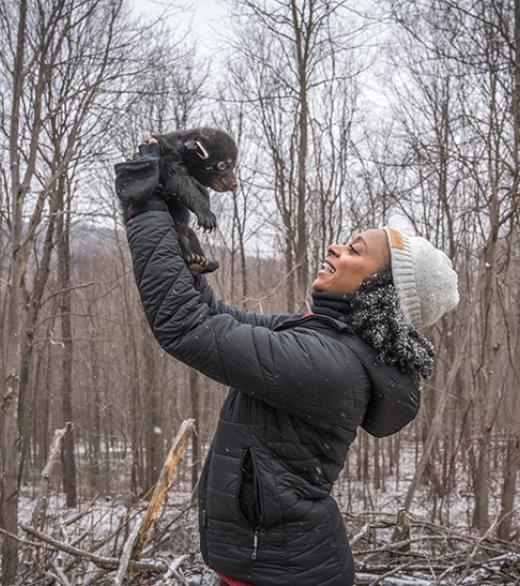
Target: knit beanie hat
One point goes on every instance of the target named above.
(427, 285)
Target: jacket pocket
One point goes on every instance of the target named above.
(250, 491)
(203, 505)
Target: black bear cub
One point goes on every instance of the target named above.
(179, 166)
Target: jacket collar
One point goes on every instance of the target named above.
(314, 319)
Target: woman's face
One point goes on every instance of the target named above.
(346, 265)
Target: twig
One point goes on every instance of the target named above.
(100, 545)
(59, 574)
(107, 563)
(79, 515)
(95, 579)
(125, 555)
(21, 540)
(482, 539)
(358, 536)
(390, 573)
(173, 569)
(401, 544)
(474, 565)
(363, 578)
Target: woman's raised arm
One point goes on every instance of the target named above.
(292, 370)
(242, 315)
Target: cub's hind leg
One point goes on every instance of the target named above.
(205, 265)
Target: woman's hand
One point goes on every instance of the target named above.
(137, 179)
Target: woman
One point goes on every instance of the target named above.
(300, 387)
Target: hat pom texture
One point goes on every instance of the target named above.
(426, 284)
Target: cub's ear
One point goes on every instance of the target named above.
(197, 147)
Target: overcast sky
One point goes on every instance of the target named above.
(206, 17)
(209, 22)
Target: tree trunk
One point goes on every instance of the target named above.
(377, 465)
(96, 411)
(33, 310)
(301, 246)
(509, 489)
(481, 485)
(64, 283)
(512, 464)
(11, 328)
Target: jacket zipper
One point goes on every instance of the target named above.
(258, 501)
(254, 555)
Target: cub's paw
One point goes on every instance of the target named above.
(211, 265)
(207, 221)
(196, 263)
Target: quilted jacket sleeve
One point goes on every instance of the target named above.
(282, 368)
(242, 315)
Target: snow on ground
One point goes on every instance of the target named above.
(177, 534)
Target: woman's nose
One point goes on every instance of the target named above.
(334, 249)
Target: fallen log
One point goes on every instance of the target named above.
(162, 487)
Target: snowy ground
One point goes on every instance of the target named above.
(102, 525)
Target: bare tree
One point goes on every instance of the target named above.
(289, 53)
(53, 85)
(461, 191)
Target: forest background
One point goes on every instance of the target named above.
(347, 115)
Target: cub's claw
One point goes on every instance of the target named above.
(207, 221)
(212, 265)
(196, 258)
(196, 263)
(200, 264)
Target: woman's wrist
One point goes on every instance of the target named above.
(153, 203)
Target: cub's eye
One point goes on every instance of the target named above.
(221, 165)
(209, 168)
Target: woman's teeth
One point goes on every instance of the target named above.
(326, 266)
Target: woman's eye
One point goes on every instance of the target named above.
(352, 249)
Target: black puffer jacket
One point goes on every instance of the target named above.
(300, 386)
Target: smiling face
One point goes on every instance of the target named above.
(347, 265)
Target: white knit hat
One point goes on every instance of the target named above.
(427, 285)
